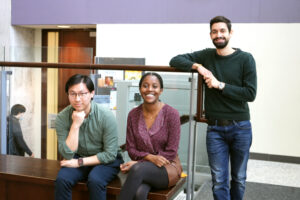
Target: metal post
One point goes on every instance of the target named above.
(190, 146)
(194, 159)
(3, 111)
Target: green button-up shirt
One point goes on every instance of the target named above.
(98, 134)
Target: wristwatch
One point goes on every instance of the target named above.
(221, 86)
(80, 162)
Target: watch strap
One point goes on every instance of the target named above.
(80, 162)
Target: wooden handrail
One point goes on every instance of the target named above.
(89, 66)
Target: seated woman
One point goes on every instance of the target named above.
(152, 140)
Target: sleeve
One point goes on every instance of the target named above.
(249, 85)
(185, 61)
(131, 142)
(110, 139)
(19, 139)
(62, 125)
(173, 131)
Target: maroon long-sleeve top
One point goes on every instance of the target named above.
(162, 138)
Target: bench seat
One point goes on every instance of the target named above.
(33, 178)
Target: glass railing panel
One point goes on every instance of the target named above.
(75, 55)
(24, 88)
(24, 54)
(38, 90)
(177, 93)
(2, 53)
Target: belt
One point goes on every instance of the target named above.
(221, 122)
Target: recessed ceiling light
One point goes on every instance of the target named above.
(63, 26)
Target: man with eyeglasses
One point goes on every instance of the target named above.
(87, 140)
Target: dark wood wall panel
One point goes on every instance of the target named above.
(75, 50)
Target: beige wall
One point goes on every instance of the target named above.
(5, 19)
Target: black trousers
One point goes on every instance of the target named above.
(141, 178)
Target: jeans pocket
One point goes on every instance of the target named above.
(244, 125)
(210, 128)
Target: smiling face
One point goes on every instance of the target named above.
(220, 35)
(80, 97)
(150, 89)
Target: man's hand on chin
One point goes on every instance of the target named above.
(78, 117)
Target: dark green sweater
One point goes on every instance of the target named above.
(237, 71)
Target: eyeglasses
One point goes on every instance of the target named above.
(81, 95)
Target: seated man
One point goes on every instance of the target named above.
(88, 141)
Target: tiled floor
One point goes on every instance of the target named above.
(275, 173)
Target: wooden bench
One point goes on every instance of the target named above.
(32, 178)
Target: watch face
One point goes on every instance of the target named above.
(221, 86)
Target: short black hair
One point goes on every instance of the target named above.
(18, 108)
(152, 74)
(79, 78)
(223, 19)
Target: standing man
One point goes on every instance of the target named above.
(230, 77)
(88, 141)
(16, 143)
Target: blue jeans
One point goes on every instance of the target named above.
(97, 177)
(229, 142)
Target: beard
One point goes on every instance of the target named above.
(220, 45)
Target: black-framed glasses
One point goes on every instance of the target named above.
(81, 95)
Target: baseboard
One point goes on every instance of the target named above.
(275, 158)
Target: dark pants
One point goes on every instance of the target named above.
(141, 178)
(97, 177)
(229, 144)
